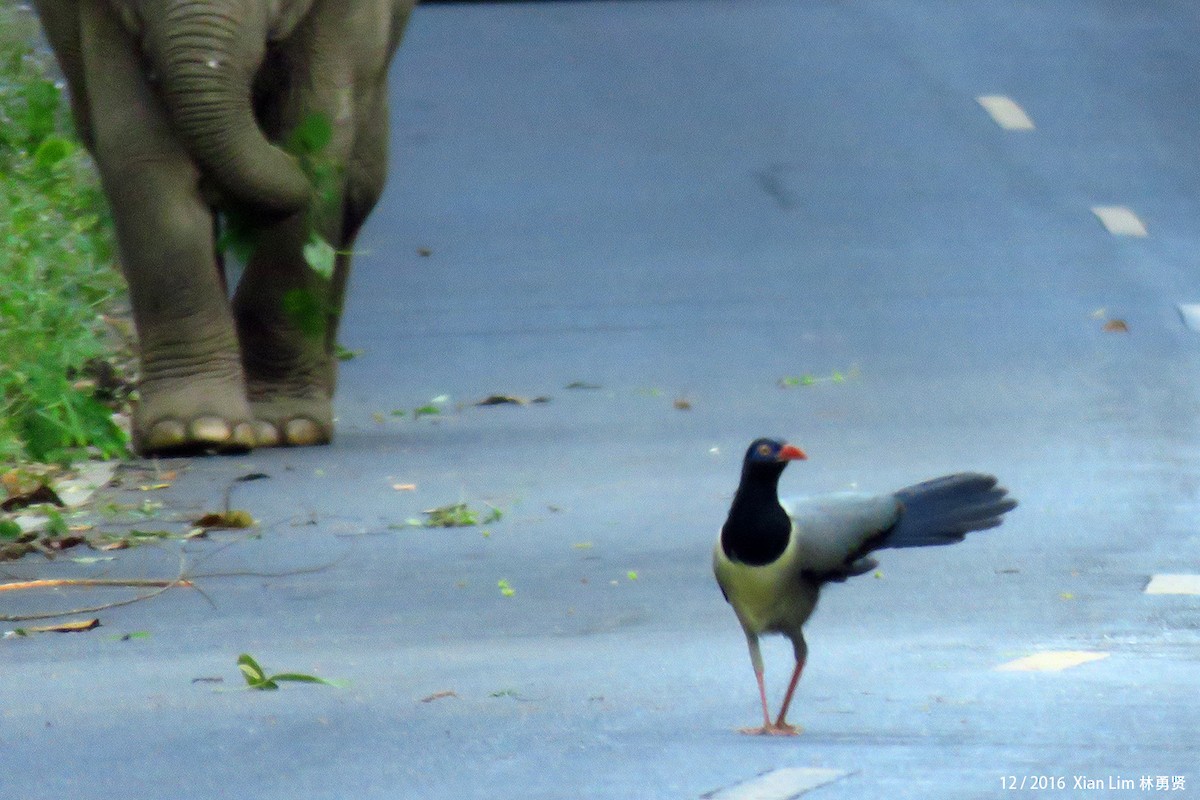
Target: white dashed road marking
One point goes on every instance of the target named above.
(1119, 220)
(779, 784)
(1173, 584)
(1005, 112)
(1051, 661)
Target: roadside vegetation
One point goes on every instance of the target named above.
(63, 353)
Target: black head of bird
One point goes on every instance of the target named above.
(763, 452)
(757, 529)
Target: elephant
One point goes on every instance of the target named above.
(187, 107)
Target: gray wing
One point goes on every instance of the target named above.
(834, 531)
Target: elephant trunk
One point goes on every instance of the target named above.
(206, 53)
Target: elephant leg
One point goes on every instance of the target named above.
(191, 387)
(291, 371)
(61, 23)
(281, 312)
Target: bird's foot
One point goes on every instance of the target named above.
(774, 729)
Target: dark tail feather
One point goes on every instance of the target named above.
(944, 510)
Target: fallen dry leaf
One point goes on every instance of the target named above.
(66, 627)
(64, 542)
(41, 494)
(683, 404)
(225, 520)
(154, 486)
(404, 487)
(438, 696)
(1116, 326)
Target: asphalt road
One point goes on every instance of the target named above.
(684, 203)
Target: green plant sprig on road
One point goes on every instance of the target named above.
(257, 678)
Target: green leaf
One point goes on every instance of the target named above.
(56, 523)
(320, 255)
(342, 353)
(9, 529)
(311, 136)
(52, 151)
(250, 669)
(139, 534)
(306, 311)
(238, 237)
(455, 515)
(297, 677)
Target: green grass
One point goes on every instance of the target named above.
(56, 274)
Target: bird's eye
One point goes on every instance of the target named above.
(764, 449)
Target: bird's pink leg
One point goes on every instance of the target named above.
(781, 725)
(762, 694)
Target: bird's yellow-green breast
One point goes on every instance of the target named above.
(771, 597)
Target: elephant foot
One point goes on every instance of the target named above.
(193, 420)
(292, 421)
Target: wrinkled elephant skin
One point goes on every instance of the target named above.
(184, 106)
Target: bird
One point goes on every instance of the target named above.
(773, 556)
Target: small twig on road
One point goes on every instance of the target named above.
(163, 585)
(54, 583)
(87, 610)
(184, 579)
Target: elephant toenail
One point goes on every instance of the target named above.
(244, 435)
(266, 434)
(302, 432)
(210, 429)
(165, 434)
